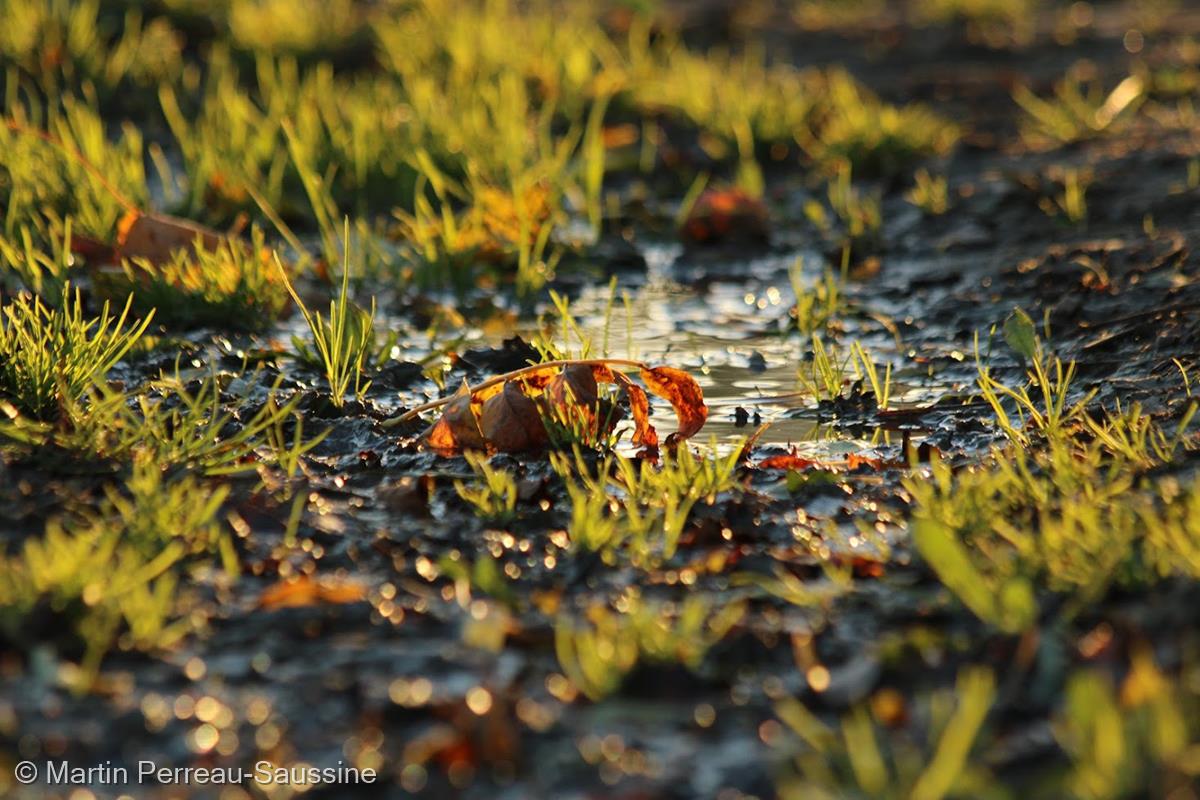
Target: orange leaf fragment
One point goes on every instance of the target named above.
(157, 237)
(685, 396)
(644, 433)
(308, 591)
(854, 461)
(787, 461)
(458, 428)
(726, 215)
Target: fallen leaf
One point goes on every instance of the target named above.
(308, 591)
(726, 215)
(685, 396)
(501, 411)
(510, 421)
(458, 428)
(157, 237)
(854, 461)
(787, 461)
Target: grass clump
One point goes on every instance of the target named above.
(929, 193)
(1079, 108)
(1070, 518)
(639, 507)
(111, 576)
(849, 762)
(171, 424)
(495, 499)
(596, 655)
(1138, 737)
(344, 341)
(855, 129)
(1070, 200)
(828, 374)
(49, 356)
(68, 166)
(234, 285)
(817, 306)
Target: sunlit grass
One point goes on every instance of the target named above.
(1065, 508)
(1078, 109)
(598, 653)
(111, 576)
(640, 507)
(849, 761)
(50, 356)
(234, 285)
(494, 495)
(345, 340)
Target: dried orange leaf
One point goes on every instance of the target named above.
(644, 433)
(458, 428)
(510, 421)
(307, 591)
(787, 461)
(722, 215)
(157, 237)
(684, 395)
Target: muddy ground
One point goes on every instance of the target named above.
(387, 681)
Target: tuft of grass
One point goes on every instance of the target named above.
(1041, 404)
(1140, 736)
(172, 425)
(345, 340)
(111, 575)
(44, 272)
(639, 507)
(1071, 518)
(826, 374)
(854, 129)
(234, 286)
(818, 306)
(1078, 109)
(929, 193)
(1070, 201)
(867, 370)
(52, 356)
(596, 655)
(849, 762)
(60, 162)
(495, 499)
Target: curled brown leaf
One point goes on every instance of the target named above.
(458, 428)
(510, 421)
(685, 396)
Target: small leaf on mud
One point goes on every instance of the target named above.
(1020, 333)
(726, 215)
(510, 421)
(458, 429)
(684, 395)
(307, 591)
(788, 461)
